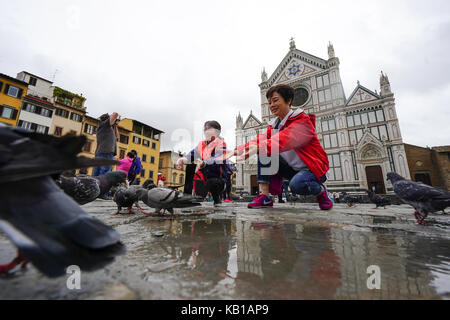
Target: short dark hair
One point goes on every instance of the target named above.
(134, 152)
(104, 117)
(130, 155)
(213, 124)
(285, 91)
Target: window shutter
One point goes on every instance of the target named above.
(1, 85)
(50, 113)
(33, 127)
(6, 89)
(1, 110)
(19, 95)
(19, 124)
(46, 130)
(14, 114)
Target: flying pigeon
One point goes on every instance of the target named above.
(424, 198)
(48, 227)
(126, 197)
(378, 200)
(25, 154)
(167, 199)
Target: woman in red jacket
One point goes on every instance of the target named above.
(288, 149)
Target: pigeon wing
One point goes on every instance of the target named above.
(413, 191)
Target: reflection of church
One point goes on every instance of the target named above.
(360, 134)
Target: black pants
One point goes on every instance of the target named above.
(189, 181)
(213, 185)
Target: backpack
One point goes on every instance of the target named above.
(199, 184)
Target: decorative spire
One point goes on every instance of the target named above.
(385, 85)
(330, 51)
(239, 122)
(357, 82)
(264, 75)
(292, 44)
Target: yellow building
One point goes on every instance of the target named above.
(146, 140)
(11, 92)
(69, 112)
(168, 167)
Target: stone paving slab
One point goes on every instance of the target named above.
(150, 269)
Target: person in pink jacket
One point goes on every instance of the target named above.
(125, 164)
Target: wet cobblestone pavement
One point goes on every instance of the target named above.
(231, 252)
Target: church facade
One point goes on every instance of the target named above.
(361, 133)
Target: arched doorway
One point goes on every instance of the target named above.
(375, 179)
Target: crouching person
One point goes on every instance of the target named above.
(210, 174)
(289, 149)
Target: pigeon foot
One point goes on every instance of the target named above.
(420, 219)
(5, 268)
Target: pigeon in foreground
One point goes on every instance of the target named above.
(25, 154)
(378, 200)
(48, 227)
(126, 197)
(167, 199)
(424, 198)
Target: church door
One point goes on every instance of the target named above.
(375, 179)
(254, 185)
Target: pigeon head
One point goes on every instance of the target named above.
(394, 177)
(116, 177)
(149, 184)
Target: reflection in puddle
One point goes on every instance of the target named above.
(253, 260)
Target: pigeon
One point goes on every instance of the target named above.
(49, 229)
(350, 200)
(110, 179)
(126, 197)
(167, 199)
(84, 189)
(136, 181)
(423, 198)
(25, 154)
(378, 200)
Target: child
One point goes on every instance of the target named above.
(290, 140)
(210, 175)
(125, 163)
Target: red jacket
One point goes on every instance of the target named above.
(298, 133)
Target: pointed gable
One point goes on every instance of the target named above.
(360, 95)
(251, 122)
(296, 64)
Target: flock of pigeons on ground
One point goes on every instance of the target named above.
(40, 208)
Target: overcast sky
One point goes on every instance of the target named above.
(176, 64)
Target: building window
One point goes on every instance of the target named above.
(151, 175)
(123, 139)
(144, 157)
(89, 129)
(143, 173)
(12, 91)
(156, 136)
(152, 160)
(174, 177)
(8, 112)
(33, 127)
(62, 113)
(330, 141)
(122, 154)
(324, 95)
(145, 142)
(335, 172)
(136, 140)
(160, 163)
(58, 131)
(153, 145)
(323, 81)
(181, 179)
(46, 113)
(32, 81)
(328, 125)
(87, 146)
(76, 117)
